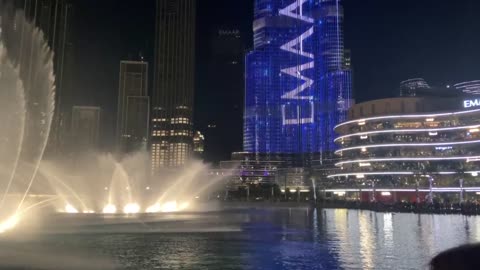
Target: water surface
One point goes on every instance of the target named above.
(295, 238)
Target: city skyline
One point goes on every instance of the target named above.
(377, 70)
(251, 134)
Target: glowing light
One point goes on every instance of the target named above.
(154, 208)
(361, 123)
(339, 193)
(405, 131)
(131, 208)
(430, 119)
(89, 212)
(386, 193)
(434, 133)
(408, 116)
(147, 188)
(183, 206)
(468, 159)
(478, 193)
(370, 173)
(169, 207)
(364, 137)
(360, 176)
(9, 224)
(474, 174)
(70, 209)
(365, 164)
(438, 146)
(474, 130)
(425, 190)
(110, 209)
(364, 149)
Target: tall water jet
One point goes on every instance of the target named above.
(12, 115)
(27, 83)
(120, 191)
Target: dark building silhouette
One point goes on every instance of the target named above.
(85, 128)
(173, 85)
(224, 78)
(133, 107)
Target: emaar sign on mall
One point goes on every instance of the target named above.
(471, 103)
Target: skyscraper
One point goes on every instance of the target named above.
(172, 97)
(198, 144)
(224, 78)
(54, 18)
(297, 84)
(85, 128)
(133, 107)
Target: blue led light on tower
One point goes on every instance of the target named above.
(297, 87)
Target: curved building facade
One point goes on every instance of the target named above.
(402, 145)
(471, 87)
(408, 88)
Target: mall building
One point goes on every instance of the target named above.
(409, 149)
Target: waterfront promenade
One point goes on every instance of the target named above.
(466, 208)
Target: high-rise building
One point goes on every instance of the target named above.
(297, 85)
(133, 107)
(225, 80)
(85, 128)
(55, 18)
(198, 144)
(409, 88)
(172, 96)
(347, 60)
(471, 87)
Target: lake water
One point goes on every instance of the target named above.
(295, 238)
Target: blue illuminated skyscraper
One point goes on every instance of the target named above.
(297, 84)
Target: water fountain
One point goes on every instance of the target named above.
(102, 185)
(26, 107)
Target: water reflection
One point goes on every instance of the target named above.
(296, 238)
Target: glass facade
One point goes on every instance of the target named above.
(297, 86)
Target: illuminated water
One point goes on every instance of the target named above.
(296, 238)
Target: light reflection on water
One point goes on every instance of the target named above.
(296, 238)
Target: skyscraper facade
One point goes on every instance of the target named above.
(297, 84)
(133, 107)
(224, 78)
(85, 128)
(172, 97)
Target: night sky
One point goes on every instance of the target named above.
(390, 41)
